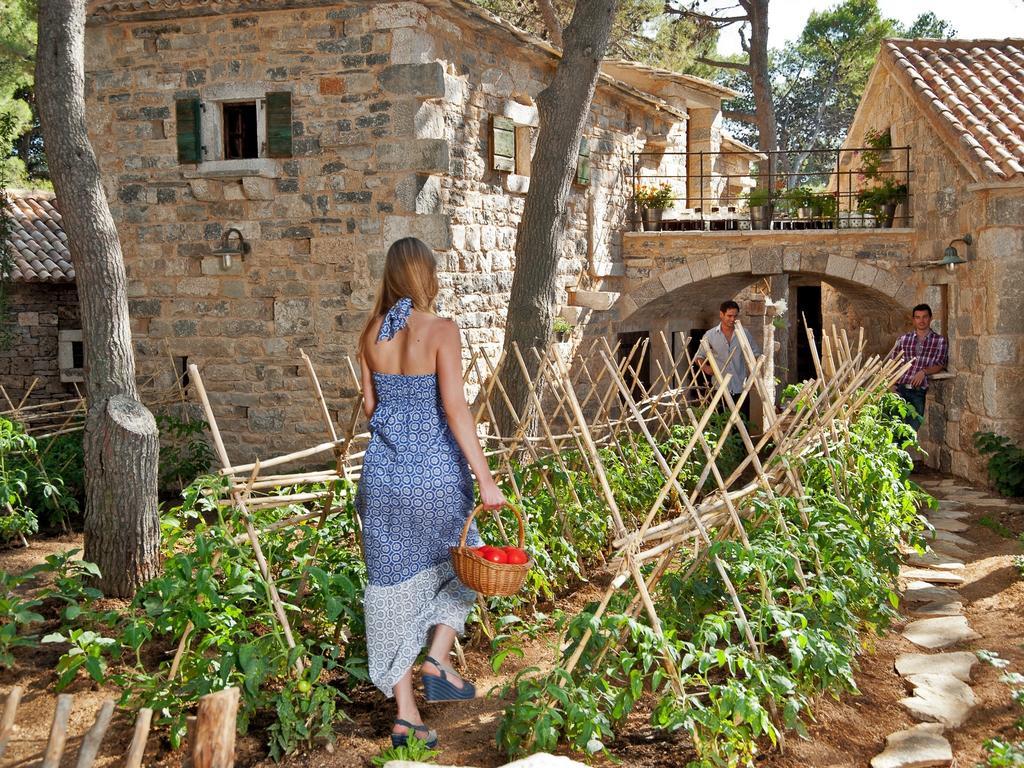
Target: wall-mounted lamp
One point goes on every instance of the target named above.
(950, 257)
(228, 250)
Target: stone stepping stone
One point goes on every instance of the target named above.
(948, 524)
(956, 663)
(935, 560)
(918, 747)
(939, 633)
(953, 538)
(938, 608)
(998, 503)
(940, 699)
(950, 549)
(947, 514)
(923, 592)
(932, 577)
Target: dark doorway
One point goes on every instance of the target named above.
(636, 347)
(808, 305)
(241, 139)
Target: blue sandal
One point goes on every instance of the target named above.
(441, 688)
(400, 739)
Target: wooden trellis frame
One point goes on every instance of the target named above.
(596, 401)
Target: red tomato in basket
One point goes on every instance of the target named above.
(516, 556)
(493, 554)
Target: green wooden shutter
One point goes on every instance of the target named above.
(583, 163)
(187, 123)
(503, 144)
(279, 124)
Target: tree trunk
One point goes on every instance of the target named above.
(122, 531)
(563, 108)
(761, 80)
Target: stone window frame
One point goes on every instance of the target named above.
(66, 339)
(212, 99)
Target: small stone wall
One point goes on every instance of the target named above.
(37, 312)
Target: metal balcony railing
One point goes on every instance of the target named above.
(859, 187)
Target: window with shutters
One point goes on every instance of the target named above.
(232, 127)
(512, 146)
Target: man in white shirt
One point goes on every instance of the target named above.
(723, 343)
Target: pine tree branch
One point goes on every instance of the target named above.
(724, 64)
(742, 117)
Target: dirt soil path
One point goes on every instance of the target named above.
(846, 733)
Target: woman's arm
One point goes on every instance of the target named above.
(460, 421)
(369, 393)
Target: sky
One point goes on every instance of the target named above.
(971, 18)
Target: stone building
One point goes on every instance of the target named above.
(41, 354)
(319, 132)
(954, 112)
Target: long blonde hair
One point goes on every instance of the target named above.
(410, 270)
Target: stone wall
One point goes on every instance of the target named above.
(979, 305)
(390, 137)
(37, 312)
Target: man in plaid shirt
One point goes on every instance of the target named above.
(928, 353)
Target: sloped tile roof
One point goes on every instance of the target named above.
(976, 89)
(37, 239)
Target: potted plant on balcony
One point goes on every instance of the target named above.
(652, 200)
(759, 201)
(886, 193)
(813, 205)
(882, 199)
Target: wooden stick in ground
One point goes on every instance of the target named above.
(239, 501)
(324, 410)
(58, 732)
(620, 529)
(138, 746)
(214, 744)
(91, 743)
(673, 476)
(10, 712)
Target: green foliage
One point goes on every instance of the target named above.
(1006, 752)
(656, 196)
(37, 481)
(817, 199)
(415, 751)
(184, 453)
(17, 612)
(87, 652)
(818, 79)
(19, 157)
(1005, 462)
(561, 325)
(808, 635)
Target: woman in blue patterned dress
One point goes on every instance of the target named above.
(416, 490)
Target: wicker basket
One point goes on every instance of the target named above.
(483, 576)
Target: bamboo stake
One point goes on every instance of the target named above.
(91, 743)
(10, 713)
(138, 746)
(275, 599)
(58, 732)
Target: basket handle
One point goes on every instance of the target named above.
(477, 508)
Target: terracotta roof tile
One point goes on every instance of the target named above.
(37, 239)
(977, 89)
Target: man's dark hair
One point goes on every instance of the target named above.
(727, 305)
(921, 308)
